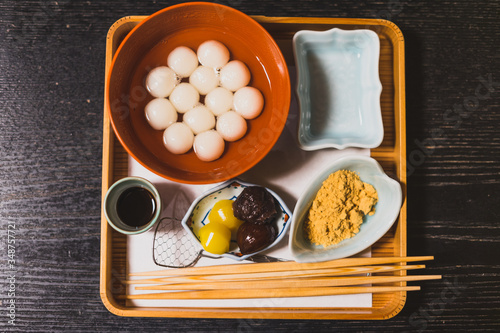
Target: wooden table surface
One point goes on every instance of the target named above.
(51, 102)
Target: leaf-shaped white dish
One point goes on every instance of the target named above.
(373, 227)
(338, 88)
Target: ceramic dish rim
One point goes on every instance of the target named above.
(301, 73)
(187, 180)
(194, 204)
(308, 195)
(156, 195)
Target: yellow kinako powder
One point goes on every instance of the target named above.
(339, 207)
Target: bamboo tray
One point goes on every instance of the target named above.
(391, 154)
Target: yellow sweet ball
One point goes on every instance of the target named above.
(222, 213)
(215, 237)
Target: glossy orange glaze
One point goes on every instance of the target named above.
(148, 46)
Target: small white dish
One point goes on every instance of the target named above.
(373, 228)
(197, 215)
(338, 88)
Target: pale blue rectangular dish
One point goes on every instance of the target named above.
(338, 89)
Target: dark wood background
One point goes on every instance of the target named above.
(51, 102)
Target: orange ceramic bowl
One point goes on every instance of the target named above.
(190, 24)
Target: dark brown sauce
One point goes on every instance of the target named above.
(136, 206)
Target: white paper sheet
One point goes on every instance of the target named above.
(286, 170)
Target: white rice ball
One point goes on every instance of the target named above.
(234, 75)
(204, 79)
(231, 126)
(212, 53)
(219, 100)
(199, 119)
(248, 101)
(160, 113)
(208, 145)
(160, 81)
(184, 97)
(182, 60)
(178, 138)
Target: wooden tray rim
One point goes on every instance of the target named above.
(353, 313)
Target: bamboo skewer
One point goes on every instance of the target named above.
(281, 279)
(269, 292)
(280, 266)
(273, 275)
(295, 283)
